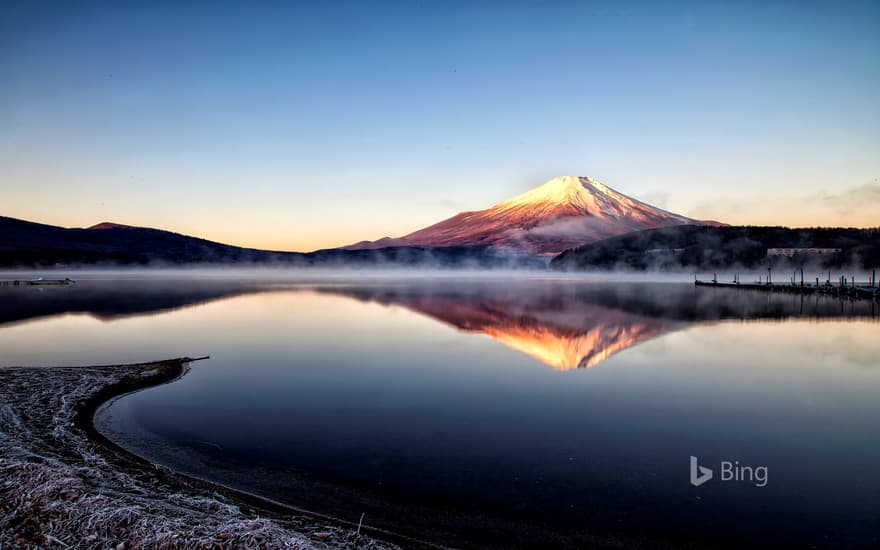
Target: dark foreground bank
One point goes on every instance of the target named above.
(63, 485)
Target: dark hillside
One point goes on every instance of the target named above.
(692, 247)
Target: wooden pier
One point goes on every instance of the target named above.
(843, 287)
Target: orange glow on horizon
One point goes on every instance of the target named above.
(322, 229)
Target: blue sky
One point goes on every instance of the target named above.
(306, 125)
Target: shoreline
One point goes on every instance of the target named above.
(67, 485)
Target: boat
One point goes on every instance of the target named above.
(42, 281)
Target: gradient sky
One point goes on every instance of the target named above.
(319, 124)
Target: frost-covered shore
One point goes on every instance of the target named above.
(61, 487)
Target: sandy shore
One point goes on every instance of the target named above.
(63, 485)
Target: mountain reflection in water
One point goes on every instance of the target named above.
(569, 326)
(563, 324)
(562, 332)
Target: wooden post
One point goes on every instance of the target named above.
(802, 277)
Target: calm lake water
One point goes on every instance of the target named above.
(495, 410)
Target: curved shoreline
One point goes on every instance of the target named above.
(466, 531)
(171, 371)
(62, 478)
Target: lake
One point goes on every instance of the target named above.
(495, 410)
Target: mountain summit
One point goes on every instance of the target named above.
(563, 213)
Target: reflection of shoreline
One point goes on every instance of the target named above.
(579, 326)
(111, 301)
(565, 325)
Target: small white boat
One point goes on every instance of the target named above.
(42, 281)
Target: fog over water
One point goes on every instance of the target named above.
(296, 274)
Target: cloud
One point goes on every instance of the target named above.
(845, 206)
(863, 197)
(659, 199)
(445, 203)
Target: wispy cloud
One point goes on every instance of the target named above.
(659, 199)
(845, 206)
(864, 198)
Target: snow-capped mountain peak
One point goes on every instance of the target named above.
(559, 190)
(585, 195)
(562, 213)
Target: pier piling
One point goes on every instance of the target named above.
(848, 287)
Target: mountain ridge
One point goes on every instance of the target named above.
(36, 245)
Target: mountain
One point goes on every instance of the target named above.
(24, 243)
(29, 244)
(563, 213)
(111, 225)
(705, 248)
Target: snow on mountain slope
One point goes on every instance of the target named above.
(563, 213)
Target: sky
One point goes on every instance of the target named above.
(298, 126)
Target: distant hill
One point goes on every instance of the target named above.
(24, 243)
(693, 247)
(564, 212)
(27, 244)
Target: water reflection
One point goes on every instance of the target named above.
(115, 299)
(563, 325)
(383, 398)
(564, 332)
(579, 326)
